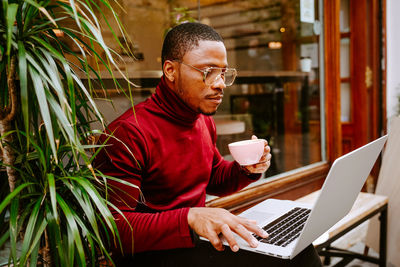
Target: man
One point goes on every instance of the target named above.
(167, 148)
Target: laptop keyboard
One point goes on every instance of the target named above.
(286, 228)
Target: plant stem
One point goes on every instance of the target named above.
(46, 249)
(7, 116)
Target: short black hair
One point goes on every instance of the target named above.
(185, 37)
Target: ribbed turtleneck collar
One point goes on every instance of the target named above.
(173, 105)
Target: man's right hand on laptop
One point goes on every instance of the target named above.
(211, 223)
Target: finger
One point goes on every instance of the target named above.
(253, 137)
(265, 154)
(254, 228)
(264, 167)
(266, 151)
(259, 167)
(227, 233)
(215, 241)
(251, 221)
(264, 159)
(246, 235)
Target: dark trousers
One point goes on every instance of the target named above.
(205, 255)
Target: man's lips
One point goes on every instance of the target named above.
(215, 97)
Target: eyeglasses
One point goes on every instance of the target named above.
(212, 74)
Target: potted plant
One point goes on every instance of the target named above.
(54, 208)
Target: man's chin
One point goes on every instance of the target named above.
(208, 113)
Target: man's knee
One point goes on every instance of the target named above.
(308, 257)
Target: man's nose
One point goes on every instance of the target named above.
(219, 83)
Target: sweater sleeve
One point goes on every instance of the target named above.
(227, 177)
(124, 158)
(153, 231)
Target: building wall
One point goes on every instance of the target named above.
(393, 58)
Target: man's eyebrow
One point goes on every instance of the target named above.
(213, 65)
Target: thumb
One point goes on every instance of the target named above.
(253, 137)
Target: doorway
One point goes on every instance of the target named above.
(361, 78)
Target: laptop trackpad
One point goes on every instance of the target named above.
(258, 216)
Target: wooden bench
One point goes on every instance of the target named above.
(366, 206)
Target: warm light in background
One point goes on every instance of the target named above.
(274, 45)
(282, 29)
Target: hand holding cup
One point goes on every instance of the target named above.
(253, 155)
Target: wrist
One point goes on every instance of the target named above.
(245, 171)
(249, 174)
(191, 217)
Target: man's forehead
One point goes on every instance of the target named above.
(206, 43)
(206, 46)
(207, 54)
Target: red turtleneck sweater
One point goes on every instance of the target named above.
(169, 152)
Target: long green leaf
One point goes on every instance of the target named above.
(41, 9)
(11, 16)
(38, 154)
(34, 256)
(14, 228)
(97, 37)
(92, 249)
(51, 68)
(73, 227)
(38, 233)
(75, 13)
(45, 26)
(63, 122)
(55, 240)
(57, 54)
(29, 232)
(44, 108)
(121, 28)
(11, 195)
(52, 190)
(23, 79)
(97, 199)
(114, 230)
(89, 98)
(66, 108)
(85, 204)
(70, 246)
(97, 56)
(4, 237)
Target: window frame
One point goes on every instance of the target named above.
(305, 180)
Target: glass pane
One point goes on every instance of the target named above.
(275, 47)
(345, 101)
(345, 58)
(344, 16)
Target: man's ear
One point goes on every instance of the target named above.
(170, 70)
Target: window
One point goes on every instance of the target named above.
(276, 48)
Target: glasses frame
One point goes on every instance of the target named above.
(206, 70)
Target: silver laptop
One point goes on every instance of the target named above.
(293, 226)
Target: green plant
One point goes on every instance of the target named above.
(56, 201)
(178, 16)
(181, 15)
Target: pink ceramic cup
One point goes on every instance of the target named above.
(247, 152)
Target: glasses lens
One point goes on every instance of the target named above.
(227, 75)
(230, 76)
